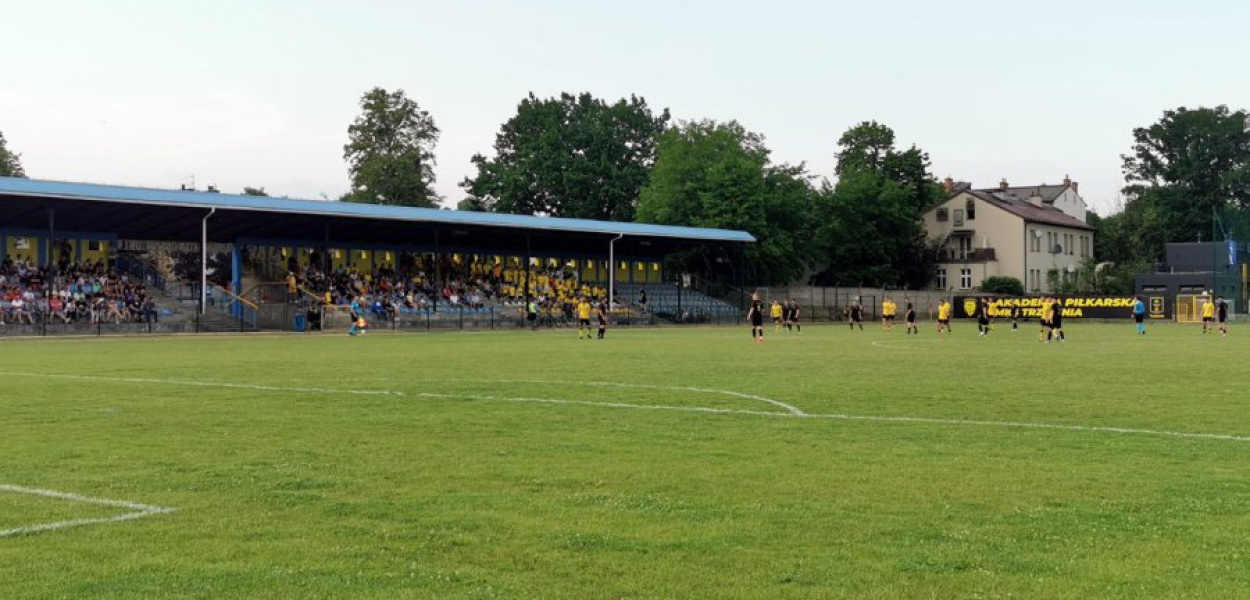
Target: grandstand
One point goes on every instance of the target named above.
(211, 261)
(680, 304)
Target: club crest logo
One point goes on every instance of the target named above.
(970, 307)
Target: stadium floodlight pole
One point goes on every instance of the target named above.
(204, 260)
(612, 270)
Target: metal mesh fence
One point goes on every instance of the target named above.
(1230, 262)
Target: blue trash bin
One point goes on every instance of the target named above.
(301, 323)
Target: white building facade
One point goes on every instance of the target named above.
(1021, 232)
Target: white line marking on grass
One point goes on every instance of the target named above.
(791, 409)
(243, 386)
(894, 344)
(138, 510)
(792, 412)
(1023, 425)
(844, 417)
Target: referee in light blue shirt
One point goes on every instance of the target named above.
(1139, 314)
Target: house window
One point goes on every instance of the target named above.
(959, 217)
(1035, 241)
(942, 215)
(941, 278)
(965, 247)
(965, 279)
(972, 210)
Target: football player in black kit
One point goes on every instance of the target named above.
(603, 319)
(855, 316)
(1221, 315)
(756, 316)
(983, 317)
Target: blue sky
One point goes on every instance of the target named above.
(260, 93)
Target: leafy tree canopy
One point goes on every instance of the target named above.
(10, 162)
(719, 175)
(1180, 169)
(869, 229)
(571, 156)
(390, 151)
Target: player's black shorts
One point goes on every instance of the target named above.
(1206, 319)
(944, 321)
(1138, 318)
(911, 319)
(583, 322)
(757, 321)
(983, 321)
(1056, 324)
(889, 317)
(1223, 318)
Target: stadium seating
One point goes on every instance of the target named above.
(667, 301)
(71, 292)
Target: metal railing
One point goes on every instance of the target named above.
(236, 307)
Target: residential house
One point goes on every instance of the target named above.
(1022, 232)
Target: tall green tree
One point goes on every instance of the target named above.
(254, 191)
(10, 162)
(390, 151)
(1180, 169)
(719, 175)
(571, 156)
(870, 228)
(866, 146)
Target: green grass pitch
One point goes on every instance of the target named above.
(660, 463)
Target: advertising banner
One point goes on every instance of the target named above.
(1074, 307)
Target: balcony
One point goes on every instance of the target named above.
(982, 255)
(976, 255)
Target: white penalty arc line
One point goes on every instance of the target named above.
(795, 413)
(794, 410)
(138, 511)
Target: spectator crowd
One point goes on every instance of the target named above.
(71, 292)
(475, 285)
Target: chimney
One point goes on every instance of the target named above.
(948, 184)
(1002, 185)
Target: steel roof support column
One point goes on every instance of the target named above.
(236, 276)
(612, 270)
(204, 260)
(528, 273)
(438, 270)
